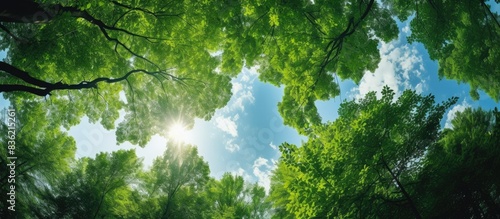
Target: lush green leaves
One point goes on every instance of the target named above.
(88, 41)
(363, 161)
(464, 38)
(43, 153)
(161, 62)
(457, 178)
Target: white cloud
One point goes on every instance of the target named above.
(242, 97)
(237, 87)
(406, 29)
(226, 119)
(241, 172)
(419, 88)
(227, 124)
(275, 147)
(232, 147)
(260, 162)
(398, 66)
(262, 169)
(242, 90)
(452, 113)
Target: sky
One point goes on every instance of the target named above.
(243, 137)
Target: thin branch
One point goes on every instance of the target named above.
(16, 38)
(312, 20)
(334, 47)
(118, 42)
(146, 11)
(85, 15)
(121, 16)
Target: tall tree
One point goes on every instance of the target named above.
(364, 163)
(232, 198)
(228, 197)
(459, 179)
(97, 188)
(42, 151)
(176, 177)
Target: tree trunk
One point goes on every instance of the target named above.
(413, 207)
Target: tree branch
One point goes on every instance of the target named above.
(43, 88)
(146, 11)
(18, 73)
(75, 12)
(336, 43)
(490, 13)
(16, 38)
(403, 190)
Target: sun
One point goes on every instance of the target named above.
(178, 132)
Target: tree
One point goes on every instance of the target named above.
(364, 163)
(463, 36)
(279, 194)
(457, 179)
(97, 188)
(231, 198)
(96, 59)
(305, 45)
(42, 151)
(176, 177)
(259, 206)
(228, 197)
(263, 33)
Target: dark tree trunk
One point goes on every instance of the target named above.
(413, 207)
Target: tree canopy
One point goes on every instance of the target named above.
(116, 185)
(148, 59)
(385, 158)
(457, 178)
(137, 67)
(133, 56)
(463, 37)
(361, 164)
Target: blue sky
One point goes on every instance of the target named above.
(243, 136)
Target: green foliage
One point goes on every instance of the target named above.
(43, 153)
(96, 187)
(231, 198)
(91, 40)
(113, 185)
(457, 179)
(361, 165)
(382, 158)
(305, 45)
(464, 37)
(177, 176)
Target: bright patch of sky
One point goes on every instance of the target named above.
(241, 138)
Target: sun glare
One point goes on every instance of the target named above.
(178, 133)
